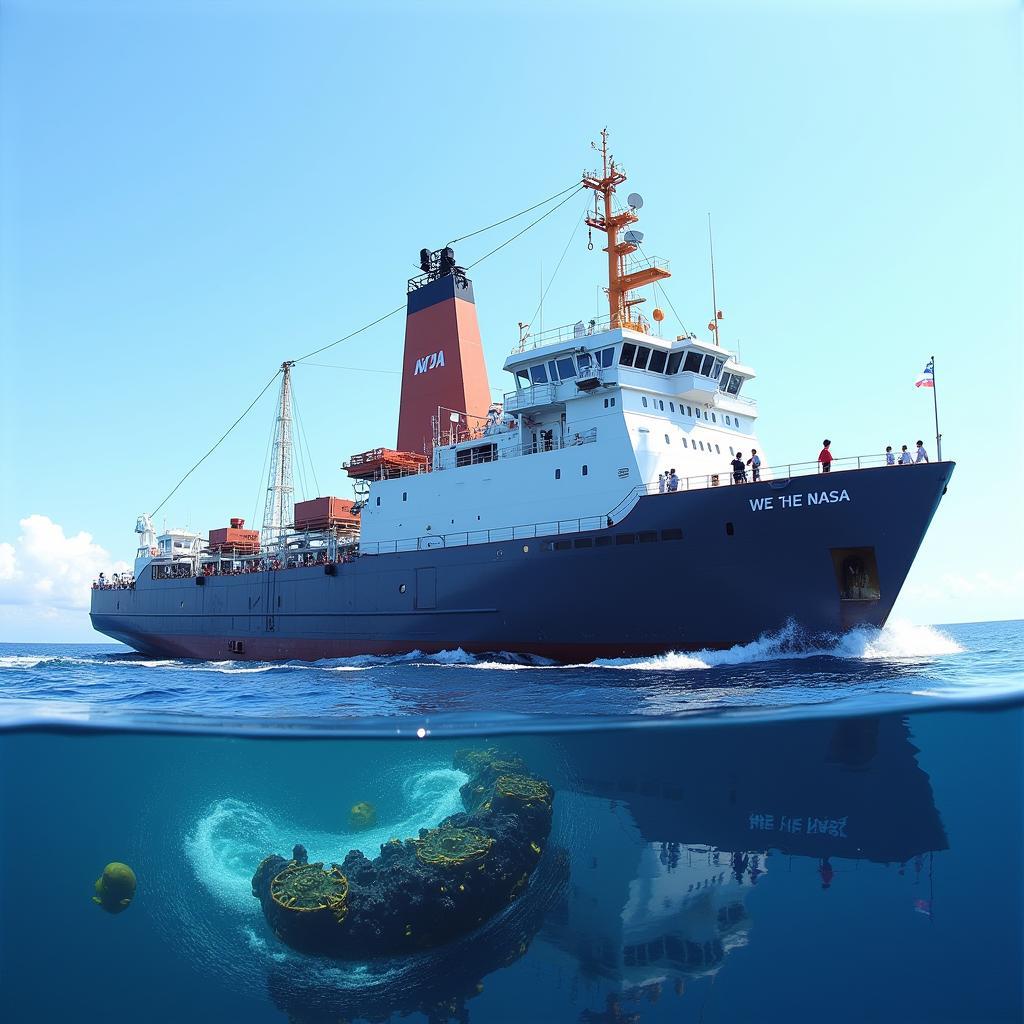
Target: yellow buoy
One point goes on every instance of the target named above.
(115, 888)
(362, 815)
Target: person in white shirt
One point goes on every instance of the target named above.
(673, 481)
(922, 455)
(906, 459)
(661, 483)
(890, 458)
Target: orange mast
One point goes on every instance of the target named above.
(620, 283)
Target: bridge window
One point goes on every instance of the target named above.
(658, 358)
(523, 376)
(538, 374)
(692, 364)
(605, 356)
(552, 371)
(566, 368)
(583, 359)
(642, 355)
(628, 351)
(674, 360)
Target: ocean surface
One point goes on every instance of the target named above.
(772, 833)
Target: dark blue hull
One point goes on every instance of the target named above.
(684, 571)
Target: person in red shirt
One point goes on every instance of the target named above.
(825, 458)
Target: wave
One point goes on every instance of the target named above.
(896, 641)
(232, 836)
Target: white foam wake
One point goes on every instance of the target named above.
(232, 836)
(897, 641)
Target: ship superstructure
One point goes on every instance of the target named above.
(604, 507)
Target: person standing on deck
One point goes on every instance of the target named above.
(673, 481)
(906, 459)
(922, 455)
(825, 456)
(754, 462)
(890, 458)
(661, 483)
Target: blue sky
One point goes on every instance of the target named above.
(190, 193)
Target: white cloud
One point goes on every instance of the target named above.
(49, 571)
(933, 596)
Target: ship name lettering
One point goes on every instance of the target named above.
(435, 359)
(798, 500)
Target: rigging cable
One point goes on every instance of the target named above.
(532, 223)
(505, 220)
(558, 265)
(306, 450)
(266, 387)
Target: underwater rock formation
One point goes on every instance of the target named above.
(418, 893)
(115, 888)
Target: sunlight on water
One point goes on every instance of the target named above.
(233, 836)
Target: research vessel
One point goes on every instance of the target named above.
(604, 508)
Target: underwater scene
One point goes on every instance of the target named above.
(817, 863)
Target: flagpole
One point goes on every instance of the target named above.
(935, 401)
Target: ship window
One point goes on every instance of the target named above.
(713, 420)
(558, 474)
(378, 501)
(476, 454)
(643, 398)
(689, 411)
(738, 427)
(563, 545)
(685, 445)
(538, 374)
(584, 361)
(625, 538)
(586, 470)
(522, 374)
(552, 371)
(606, 355)
(647, 536)
(673, 534)
(717, 369)
(566, 368)
(692, 364)
(583, 542)
(401, 588)
(728, 421)
(606, 403)
(405, 495)
(730, 529)
(613, 401)
(667, 441)
(673, 363)
(628, 351)
(604, 541)
(718, 451)
(701, 443)
(661, 405)
(705, 414)
(671, 406)
(658, 357)
(642, 355)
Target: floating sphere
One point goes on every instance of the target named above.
(659, 315)
(115, 888)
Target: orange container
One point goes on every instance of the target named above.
(231, 538)
(325, 513)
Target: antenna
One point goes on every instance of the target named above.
(279, 511)
(715, 312)
(635, 201)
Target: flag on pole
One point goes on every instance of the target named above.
(927, 378)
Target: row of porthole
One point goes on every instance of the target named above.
(584, 471)
(717, 451)
(659, 404)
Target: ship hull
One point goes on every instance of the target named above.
(684, 571)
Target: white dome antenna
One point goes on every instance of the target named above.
(635, 201)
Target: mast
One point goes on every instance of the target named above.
(604, 218)
(279, 511)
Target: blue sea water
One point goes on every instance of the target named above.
(774, 832)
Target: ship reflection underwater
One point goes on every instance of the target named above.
(659, 840)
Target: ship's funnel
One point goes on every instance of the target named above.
(443, 368)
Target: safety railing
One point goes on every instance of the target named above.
(567, 332)
(725, 478)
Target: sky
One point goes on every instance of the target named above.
(191, 193)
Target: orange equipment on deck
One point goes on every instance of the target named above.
(325, 514)
(383, 463)
(235, 540)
